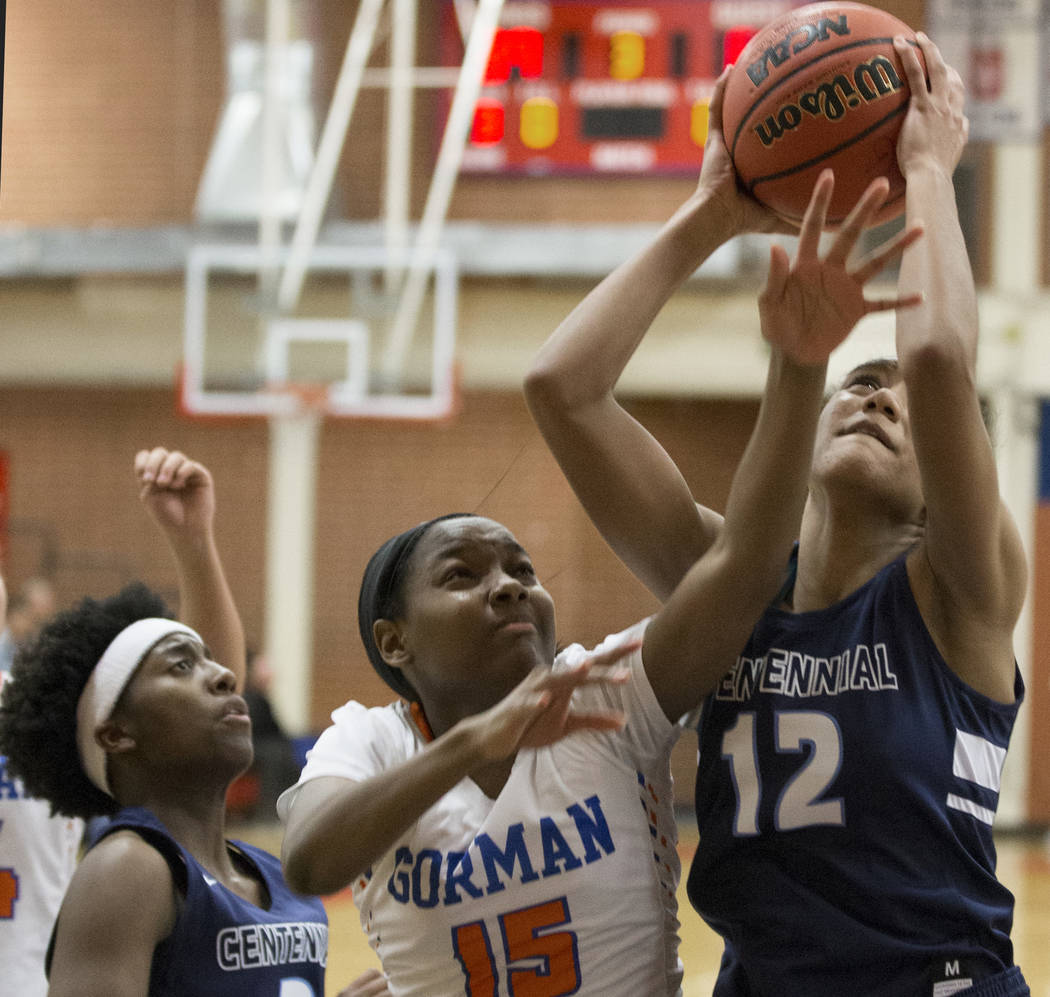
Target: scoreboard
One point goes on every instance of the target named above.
(577, 87)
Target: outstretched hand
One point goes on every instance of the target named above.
(539, 710)
(177, 492)
(809, 306)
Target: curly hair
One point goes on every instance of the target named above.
(38, 708)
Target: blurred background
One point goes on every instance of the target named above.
(316, 243)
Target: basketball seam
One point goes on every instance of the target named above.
(806, 65)
(798, 167)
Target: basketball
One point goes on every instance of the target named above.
(821, 86)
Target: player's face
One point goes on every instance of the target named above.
(183, 712)
(864, 435)
(475, 614)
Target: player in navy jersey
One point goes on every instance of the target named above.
(488, 850)
(850, 758)
(116, 710)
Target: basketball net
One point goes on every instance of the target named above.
(307, 396)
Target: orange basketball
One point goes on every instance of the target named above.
(821, 86)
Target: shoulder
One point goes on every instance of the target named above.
(126, 854)
(573, 654)
(978, 649)
(123, 874)
(358, 727)
(361, 742)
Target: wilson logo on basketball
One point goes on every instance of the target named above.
(872, 81)
(807, 34)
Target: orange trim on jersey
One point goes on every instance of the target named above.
(421, 721)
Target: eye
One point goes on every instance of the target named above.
(525, 570)
(455, 573)
(182, 665)
(864, 381)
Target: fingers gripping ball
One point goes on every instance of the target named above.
(821, 86)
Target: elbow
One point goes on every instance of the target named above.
(543, 388)
(558, 397)
(298, 873)
(307, 876)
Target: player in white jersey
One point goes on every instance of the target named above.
(490, 851)
(38, 853)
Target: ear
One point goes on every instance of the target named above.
(113, 738)
(391, 643)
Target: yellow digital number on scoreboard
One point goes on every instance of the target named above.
(626, 55)
(698, 118)
(539, 122)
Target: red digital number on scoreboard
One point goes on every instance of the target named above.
(577, 87)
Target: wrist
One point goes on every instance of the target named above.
(796, 370)
(465, 743)
(927, 169)
(192, 546)
(707, 221)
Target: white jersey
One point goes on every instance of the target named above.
(565, 883)
(38, 854)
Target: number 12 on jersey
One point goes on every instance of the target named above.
(800, 803)
(528, 935)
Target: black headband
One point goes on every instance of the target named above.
(380, 586)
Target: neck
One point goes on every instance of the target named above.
(841, 549)
(196, 819)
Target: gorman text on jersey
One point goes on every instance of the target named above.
(489, 865)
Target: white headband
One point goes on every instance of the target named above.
(112, 673)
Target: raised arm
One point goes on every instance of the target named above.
(180, 497)
(807, 308)
(970, 590)
(629, 486)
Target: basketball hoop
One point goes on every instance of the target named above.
(305, 396)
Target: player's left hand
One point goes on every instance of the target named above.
(810, 305)
(177, 492)
(935, 129)
(539, 710)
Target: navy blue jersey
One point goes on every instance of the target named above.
(224, 946)
(847, 784)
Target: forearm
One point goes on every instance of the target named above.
(205, 600)
(769, 489)
(332, 840)
(585, 356)
(937, 348)
(944, 328)
(695, 638)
